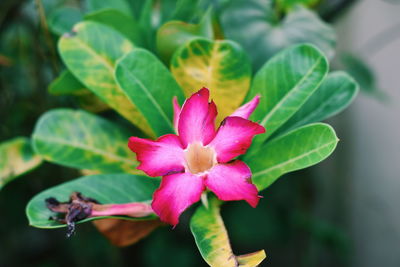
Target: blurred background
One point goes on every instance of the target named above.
(343, 212)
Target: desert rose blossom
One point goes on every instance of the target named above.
(199, 157)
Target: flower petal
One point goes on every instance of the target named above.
(248, 108)
(160, 157)
(232, 181)
(176, 193)
(234, 137)
(177, 112)
(197, 119)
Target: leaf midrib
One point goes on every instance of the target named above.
(110, 67)
(151, 98)
(84, 147)
(318, 109)
(292, 159)
(290, 93)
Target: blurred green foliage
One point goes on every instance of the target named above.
(283, 224)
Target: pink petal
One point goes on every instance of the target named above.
(197, 119)
(177, 112)
(176, 193)
(158, 158)
(232, 181)
(234, 137)
(248, 108)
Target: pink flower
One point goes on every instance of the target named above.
(199, 157)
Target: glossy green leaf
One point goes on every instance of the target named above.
(120, 5)
(119, 21)
(61, 20)
(173, 34)
(146, 24)
(221, 66)
(90, 53)
(16, 158)
(285, 83)
(153, 97)
(295, 150)
(105, 188)
(336, 92)
(66, 84)
(212, 238)
(255, 25)
(287, 5)
(82, 140)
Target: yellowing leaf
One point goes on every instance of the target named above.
(221, 66)
(251, 259)
(78, 139)
(175, 33)
(67, 84)
(150, 86)
(212, 239)
(16, 158)
(90, 53)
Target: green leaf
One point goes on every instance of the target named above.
(66, 84)
(166, 9)
(295, 150)
(336, 92)
(153, 97)
(285, 83)
(16, 158)
(287, 5)
(255, 25)
(61, 20)
(124, 24)
(90, 53)
(221, 66)
(145, 19)
(146, 24)
(82, 140)
(105, 188)
(173, 34)
(185, 10)
(212, 238)
(136, 7)
(120, 5)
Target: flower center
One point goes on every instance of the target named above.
(199, 158)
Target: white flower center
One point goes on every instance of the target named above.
(199, 158)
